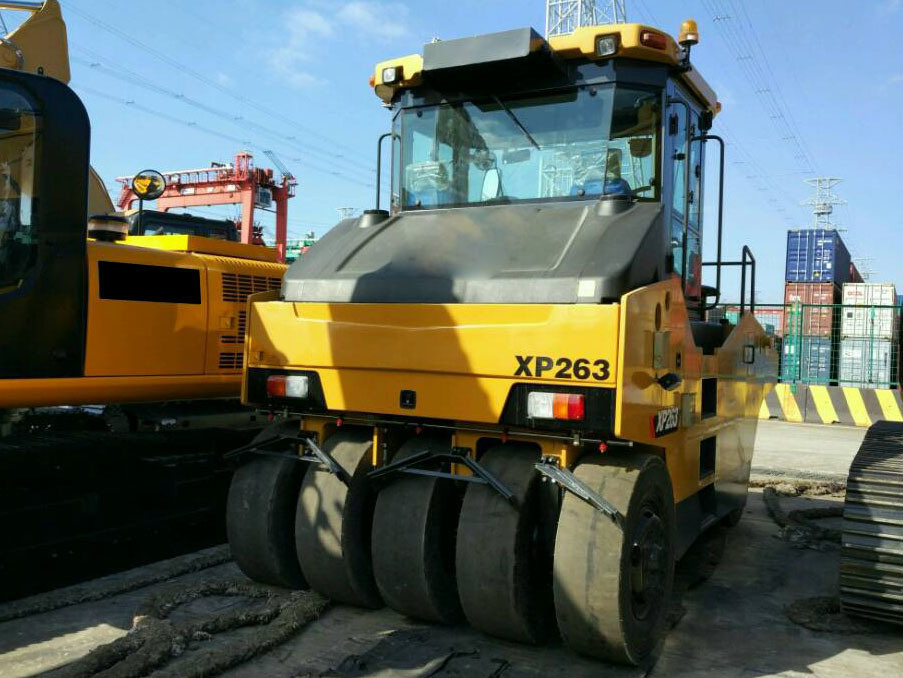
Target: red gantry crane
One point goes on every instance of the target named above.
(237, 184)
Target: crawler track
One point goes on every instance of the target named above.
(871, 565)
(79, 505)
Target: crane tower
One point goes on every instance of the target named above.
(566, 16)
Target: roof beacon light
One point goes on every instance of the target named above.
(689, 36)
(606, 45)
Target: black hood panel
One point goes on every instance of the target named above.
(573, 252)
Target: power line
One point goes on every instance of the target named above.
(743, 43)
(126, 75)
(193, 125)
(210, 82)
(646, 11)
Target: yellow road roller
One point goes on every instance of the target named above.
(503, 399)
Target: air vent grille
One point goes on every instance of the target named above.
(237, 286)
(230, 361)
(239, 336)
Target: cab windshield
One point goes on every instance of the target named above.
(570, 145)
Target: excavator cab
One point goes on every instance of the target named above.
(505, 399)
(93, 312)
(44, 145)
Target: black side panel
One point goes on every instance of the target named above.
(44, 315)
(140, 282)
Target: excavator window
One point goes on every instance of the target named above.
(575, 144)
(20, 133)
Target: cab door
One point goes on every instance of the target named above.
(44, 147)
(684, 150)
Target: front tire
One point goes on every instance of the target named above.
(612, 586)
(260, 517)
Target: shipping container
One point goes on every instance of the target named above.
(878, 316)
(867, 363)
(816, 255)
(807, 360)
(810, 308)
(855, 275)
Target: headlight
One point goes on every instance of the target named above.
(391, 75)
(606, 45)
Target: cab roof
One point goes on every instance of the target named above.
(633, 41)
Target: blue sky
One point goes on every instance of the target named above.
(808, 88)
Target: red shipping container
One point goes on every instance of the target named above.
(855, 276)
(816, 320)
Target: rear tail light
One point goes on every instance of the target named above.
(560, 406)
(287, 386)
(654, 40)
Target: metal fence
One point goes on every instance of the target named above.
(830, 344)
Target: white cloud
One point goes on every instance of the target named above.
(309, 26)
(382, 20)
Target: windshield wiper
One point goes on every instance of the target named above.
(517, 122)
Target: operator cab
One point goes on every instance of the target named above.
(527, 170)
(152, 222)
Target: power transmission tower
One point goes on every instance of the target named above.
(823, 201)
(566, 16)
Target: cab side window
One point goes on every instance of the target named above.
(20, 133)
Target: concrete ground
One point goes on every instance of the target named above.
(805, 450)
(730, 615)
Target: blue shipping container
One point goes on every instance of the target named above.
(817, 255)
(807, 360)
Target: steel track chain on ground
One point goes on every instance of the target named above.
(75, 505)
(871, 563)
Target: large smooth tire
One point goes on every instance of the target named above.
(612, 587)
(414, 528)
(503, 561)
(333, 523)
(260, 517)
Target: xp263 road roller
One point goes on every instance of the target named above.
(505, 402)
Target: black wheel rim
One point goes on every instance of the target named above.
(648, 569)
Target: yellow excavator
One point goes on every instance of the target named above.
(122, 325)
(508, 404)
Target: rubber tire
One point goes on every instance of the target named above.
(260, 516)
(733, 518)
(333, 523)
(504, 587)
(591, 581)
(414, 527)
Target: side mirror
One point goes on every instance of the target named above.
(492, 183)
(149, 184)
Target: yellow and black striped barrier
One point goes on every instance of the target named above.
(832, 405)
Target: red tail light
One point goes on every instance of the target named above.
(561, 406)
(276, 386)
